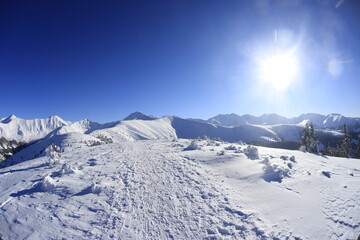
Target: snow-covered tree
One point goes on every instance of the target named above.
(345, 148)
(53, 155)
(309, 140)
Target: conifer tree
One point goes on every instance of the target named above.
(345, 148)
(309, 140)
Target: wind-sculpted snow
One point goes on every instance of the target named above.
(154, 189)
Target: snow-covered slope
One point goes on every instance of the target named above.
(84, 126)
(229, 120)
(139, 130)
(155, 190)
(316, 119)
(248, 133)
(236, 120)
(337, 121)
(288, 132)
(21, 130)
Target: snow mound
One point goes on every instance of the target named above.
(275, 173)
(231, 148)
(251, 152)
(92, 189)
(276, 169)
(67, 169)
(193, 146)
(47, 184)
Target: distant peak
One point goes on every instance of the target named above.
(56, 118)
(8, 119)
(139, 116)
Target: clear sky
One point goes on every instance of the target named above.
(105, 59)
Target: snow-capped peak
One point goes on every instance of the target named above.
(140, 116)
(8, 119)
(57, 119)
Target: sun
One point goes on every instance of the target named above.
(279, 70)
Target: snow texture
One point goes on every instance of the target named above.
(152, 189)
(132, 179)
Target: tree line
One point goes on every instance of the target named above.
(310, 143)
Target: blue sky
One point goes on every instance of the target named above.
(105, 59)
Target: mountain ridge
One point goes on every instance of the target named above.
(23, 130)
(17, 132)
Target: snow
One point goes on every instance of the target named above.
(153, 189)
(140, 116)
(192, 129)
(13, 128)
(140, 130)
(142, 126)
(320, 121)
(149, 178)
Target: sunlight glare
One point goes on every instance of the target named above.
(279, 70)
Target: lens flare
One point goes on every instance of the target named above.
(279, 70)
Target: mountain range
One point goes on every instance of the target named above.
(268, 130)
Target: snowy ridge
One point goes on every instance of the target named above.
(335, 121)
(245, 128)
(146, 127)
(140, 130)
(83, 126)
(140, 116)
(21, 130)
(248, 133)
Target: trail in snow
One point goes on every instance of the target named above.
(159, 195)
(155, 190)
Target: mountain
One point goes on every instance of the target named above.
(336, 121)
(333, 121)
(140, 116)
(228, 120)
(263, 130)
(248, 133)
(316, 119)
(21, 130)
(231, 120)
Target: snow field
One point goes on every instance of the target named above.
(156, 189)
